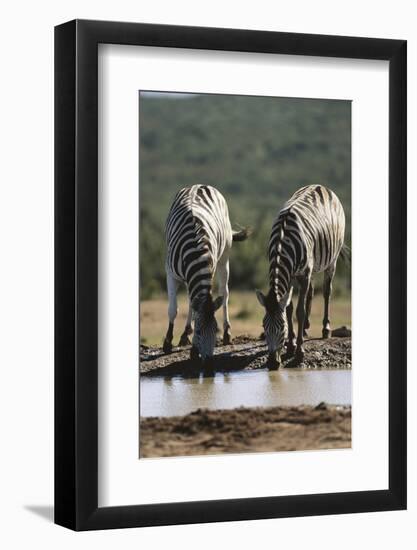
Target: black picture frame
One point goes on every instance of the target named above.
(76, 272)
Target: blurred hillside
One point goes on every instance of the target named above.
(257, 151)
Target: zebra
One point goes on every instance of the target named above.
(307, 237)
(199, 237)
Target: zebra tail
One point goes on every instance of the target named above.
(241, 235)
(346, 254)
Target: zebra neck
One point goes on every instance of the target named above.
(202, 292)
(202, 299)
(200, 286)
(280, 286)
(282, 260)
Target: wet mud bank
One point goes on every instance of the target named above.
(244, 354)
(271, 429)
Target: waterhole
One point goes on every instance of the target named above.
(178, 396)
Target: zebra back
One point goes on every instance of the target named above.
(198, 232)
(308, 233)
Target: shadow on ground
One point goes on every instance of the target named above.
(45, 512)
(243, 354)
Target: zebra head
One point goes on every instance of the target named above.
(205, 325)
(274, 323)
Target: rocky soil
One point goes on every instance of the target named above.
(245, 354)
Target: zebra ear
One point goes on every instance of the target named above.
(261, 297)
(218, 302)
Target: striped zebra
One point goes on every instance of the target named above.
(307, 237)
(199, 238)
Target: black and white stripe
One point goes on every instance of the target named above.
(198, 232)
(307, 237)
(199, 237)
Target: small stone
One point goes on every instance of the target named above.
(342, 332)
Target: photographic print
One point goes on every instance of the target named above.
(203, 253)
(245, 274)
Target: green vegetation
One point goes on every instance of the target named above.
(256, 151)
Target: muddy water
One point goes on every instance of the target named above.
(178, 396)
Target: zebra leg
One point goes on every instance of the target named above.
(223, 277)
(327, 291)
(301, 315)
(310, 294)
(184, 340)
(291, 333)
(172, 286)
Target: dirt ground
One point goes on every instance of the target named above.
(245, 353)
(208, 432)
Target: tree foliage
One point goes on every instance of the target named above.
(256, 150)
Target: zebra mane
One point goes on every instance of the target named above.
(274, 252)
(200, 234)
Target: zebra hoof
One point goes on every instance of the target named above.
(194, 355)
(274, 361)
(299, 354)
(184, 341)
(227, 338)
(167, 347)
(290, 349)
(326, 333)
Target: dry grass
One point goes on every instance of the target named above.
(245, 316)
